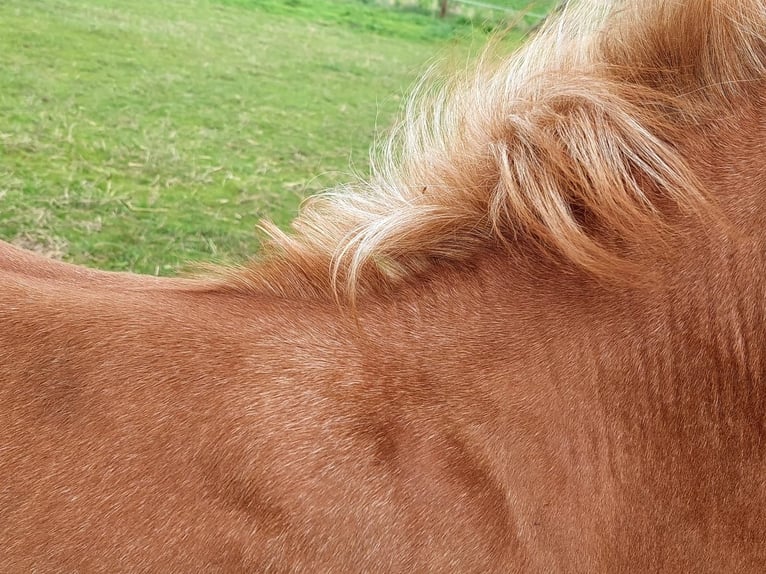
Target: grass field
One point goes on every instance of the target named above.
(140, 135)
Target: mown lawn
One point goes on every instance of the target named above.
(140, 135)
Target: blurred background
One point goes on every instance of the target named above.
(142, 135)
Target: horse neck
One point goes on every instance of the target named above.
(671, 367)
(719, 271)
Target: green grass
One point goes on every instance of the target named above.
(140, 135)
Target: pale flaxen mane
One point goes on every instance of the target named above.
(567, 146)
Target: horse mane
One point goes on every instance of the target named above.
(568, 145)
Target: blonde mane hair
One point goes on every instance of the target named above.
(568, 145)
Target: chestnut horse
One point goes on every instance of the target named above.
(533, 341)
